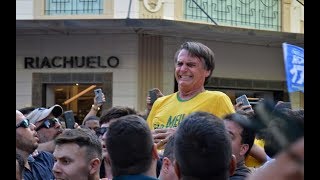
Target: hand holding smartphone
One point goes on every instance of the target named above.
(69, 119)
(100, 96)
(244, 100)
(153, 96)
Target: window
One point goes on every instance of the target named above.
(73, 7)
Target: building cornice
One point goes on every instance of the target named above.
(162, 27)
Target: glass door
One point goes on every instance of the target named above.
(75, 97)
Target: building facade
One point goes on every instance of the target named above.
(64, 48)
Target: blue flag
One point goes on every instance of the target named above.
(294, 66)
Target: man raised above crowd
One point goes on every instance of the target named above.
(194, 64)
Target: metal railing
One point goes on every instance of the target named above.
(73, 7)
(255, 14)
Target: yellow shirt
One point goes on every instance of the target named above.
(168, 111)
(251, 161)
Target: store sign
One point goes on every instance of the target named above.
(70, 62)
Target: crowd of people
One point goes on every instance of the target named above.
(193, 134)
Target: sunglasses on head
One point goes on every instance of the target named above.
(100, 131)
(48, 123)
(24, 123)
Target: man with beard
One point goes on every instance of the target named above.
(35, 167)
(47, 125)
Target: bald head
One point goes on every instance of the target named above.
(19, 116)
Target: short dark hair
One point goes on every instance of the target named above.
(247, 134)
(202, 141)
(201, 51)
(91, 118)
(84, 138)
(288, 122)
(129, 144)
(115, 112)
(282, 105)
(169, 149)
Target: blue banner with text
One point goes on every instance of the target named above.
(294, 67)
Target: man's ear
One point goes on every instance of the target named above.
(233, 165)
(208, 73)
(165, 165)
(243, 149)
(94, 165)
(177, 169)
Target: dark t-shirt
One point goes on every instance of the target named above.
(134, 177)
(242, 171)
(41, 167)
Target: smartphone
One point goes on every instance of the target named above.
(99, 93)
(69, 119)
(153, 96)
(244, 100)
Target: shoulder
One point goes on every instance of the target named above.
(241, 173)
(216, 96)
(215, 93)
(45, 157)
(44, 154)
